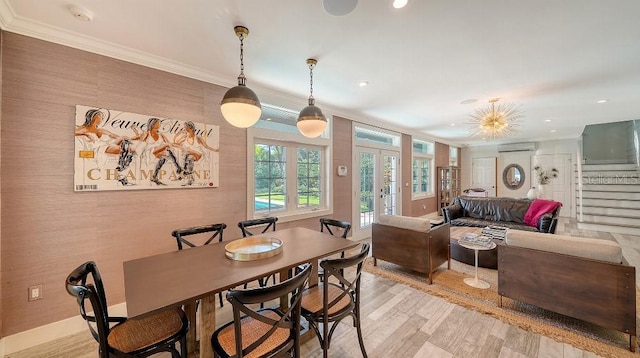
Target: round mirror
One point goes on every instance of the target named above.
(513, 176)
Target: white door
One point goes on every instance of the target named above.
(377, 189)
(559, 189)
(483, 175)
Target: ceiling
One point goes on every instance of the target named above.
(556, 59)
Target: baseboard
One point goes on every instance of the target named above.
(50, 332)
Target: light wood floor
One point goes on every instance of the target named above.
(399, 321)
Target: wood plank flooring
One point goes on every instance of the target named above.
(399, 321)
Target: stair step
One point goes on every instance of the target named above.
(611, 203)
(606, 177)
(612, 220)
(612, 187)
(610, 195)
(628, 213)
(622, 229)
(596, 167)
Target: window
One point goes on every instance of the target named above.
(287, 174)
(453, 156)
(422, 168)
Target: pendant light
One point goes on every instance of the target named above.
(240, 105)
(311, 121)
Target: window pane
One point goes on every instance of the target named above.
(415, 173)
(269, 177)
(309, 177)
(424, 176)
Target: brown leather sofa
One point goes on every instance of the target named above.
(507, 212)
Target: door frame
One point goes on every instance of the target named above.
(379, 152)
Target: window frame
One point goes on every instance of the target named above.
(291, 142)
(430, 156)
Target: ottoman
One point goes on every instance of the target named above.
(486, 258)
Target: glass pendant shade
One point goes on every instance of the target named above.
(240, 106)
(311, 122)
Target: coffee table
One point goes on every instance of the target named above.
(475, 282)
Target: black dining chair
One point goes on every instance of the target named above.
(327, 303)
(269, 224)
(265, 332)
(140, 337)
(205, 234)
(334, 227)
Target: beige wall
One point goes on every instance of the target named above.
(50, 229)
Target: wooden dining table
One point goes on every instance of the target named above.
(180, 277)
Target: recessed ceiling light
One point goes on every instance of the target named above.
(453, 124)
(81, 13)
(469, 101)
(553, 131)
(547, 120)
(603, 101)
(399, 4)
(363, 83)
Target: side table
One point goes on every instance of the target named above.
(475, 282)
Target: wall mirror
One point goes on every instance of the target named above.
(513, 176)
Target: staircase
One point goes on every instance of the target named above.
(610, 198)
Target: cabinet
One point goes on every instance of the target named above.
(448, 185)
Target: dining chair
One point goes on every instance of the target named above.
(264, 332)
(198, 232)
(327, 303)
(331, 226)
(269, 224)
(140, 337)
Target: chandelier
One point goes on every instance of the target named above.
(496, 121)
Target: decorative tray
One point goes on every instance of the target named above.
(253, 248)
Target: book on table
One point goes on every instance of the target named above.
(495, 232)
(476, 240)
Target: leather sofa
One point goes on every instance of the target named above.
(410, 242)
(584, 278)
(506, 212)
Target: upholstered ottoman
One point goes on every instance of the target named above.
(486, 258)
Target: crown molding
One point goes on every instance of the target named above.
(16, 24)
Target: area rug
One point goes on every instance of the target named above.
(449, 285)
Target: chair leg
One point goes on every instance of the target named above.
(184, 352)
(359, 330)
(220, 298)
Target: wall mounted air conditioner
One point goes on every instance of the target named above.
(516, 147)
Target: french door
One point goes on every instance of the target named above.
(376, 187)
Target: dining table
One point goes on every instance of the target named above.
(179, 278)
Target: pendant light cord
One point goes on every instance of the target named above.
(311, 79)
(241, 78)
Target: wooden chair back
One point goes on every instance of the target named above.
(243, 303)
(270, 223)
(215, 230)
(332, 225)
